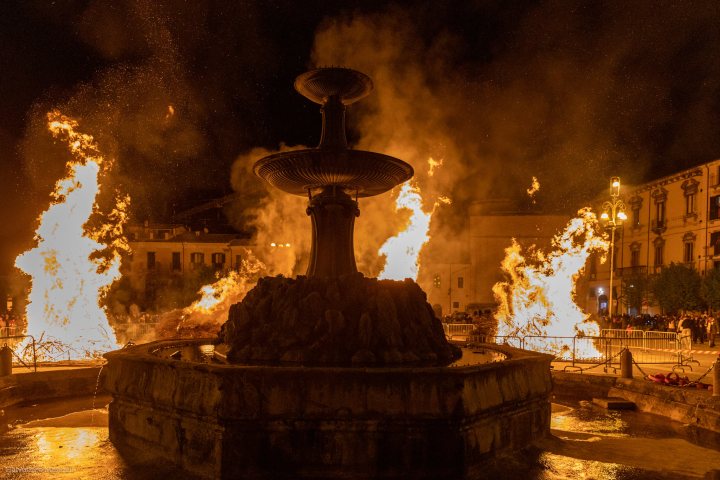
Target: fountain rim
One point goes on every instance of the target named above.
(144, 352)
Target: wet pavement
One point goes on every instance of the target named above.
(68, 439)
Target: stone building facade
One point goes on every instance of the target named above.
(674, 219)
(162, 252)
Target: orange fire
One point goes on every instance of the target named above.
(538, 299)
(216, 298)
(534, 188)
(204, 316)
(73, 265)
(402, 251)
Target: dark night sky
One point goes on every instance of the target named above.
(571, 92)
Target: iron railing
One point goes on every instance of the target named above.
(647, 347)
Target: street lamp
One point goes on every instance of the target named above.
(612, 216)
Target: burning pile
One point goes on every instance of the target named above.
(75, 261)
(205, 316)
(538, 298)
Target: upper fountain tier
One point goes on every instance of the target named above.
(332, 163)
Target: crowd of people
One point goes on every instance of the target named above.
(698, 327)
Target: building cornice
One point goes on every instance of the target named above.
(693, 172)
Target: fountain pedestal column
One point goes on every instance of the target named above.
(333, 215)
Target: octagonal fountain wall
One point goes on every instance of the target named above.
(273, 421)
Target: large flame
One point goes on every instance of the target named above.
(73, 264)
(538, 298)
(401, 251)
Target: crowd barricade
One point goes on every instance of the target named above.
(511, 340)
(576, 349)
(646, 346)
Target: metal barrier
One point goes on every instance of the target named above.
(646, 346)
(460, 329)
(511, 340)
(576, 349)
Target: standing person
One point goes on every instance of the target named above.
(685, 328)
(712, 330)
(702, 325)
(694, 329)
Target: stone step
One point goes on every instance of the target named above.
(614, 403)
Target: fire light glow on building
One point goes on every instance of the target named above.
(538, 299)
(74, 263)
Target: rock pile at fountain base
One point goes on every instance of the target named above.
(351, 320)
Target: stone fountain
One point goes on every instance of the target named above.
(331, 374)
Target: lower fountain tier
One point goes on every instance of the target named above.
(361, 173)
(279, 422)
(350, 320)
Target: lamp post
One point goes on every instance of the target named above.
(612, 216)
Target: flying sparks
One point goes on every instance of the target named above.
(534, 188)
(433, 165)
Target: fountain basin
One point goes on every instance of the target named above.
(255, 421)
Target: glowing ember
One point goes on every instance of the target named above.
(433, 165)
(402, 250)
(534, 187)
(74, 264)
(538, 299)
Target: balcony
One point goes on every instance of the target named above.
(659, 225)
(630, 271)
